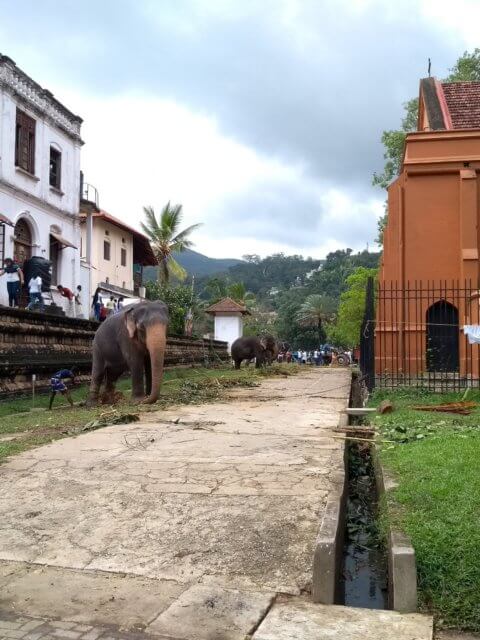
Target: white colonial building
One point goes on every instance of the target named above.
(39, 178)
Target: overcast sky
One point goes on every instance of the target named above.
(262, 117)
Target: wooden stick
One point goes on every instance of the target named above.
(357, 429)
(365, 440)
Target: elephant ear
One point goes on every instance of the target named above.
(130, 323)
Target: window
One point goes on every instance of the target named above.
(106, 250)
(55, 168)
(123, 257)
(25, 142)
(107, 232)
(123, 240)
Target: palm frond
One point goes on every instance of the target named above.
(151, 219)
(171, 217)
(180, 237)
(176, 269)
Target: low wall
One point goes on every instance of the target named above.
(40, 344)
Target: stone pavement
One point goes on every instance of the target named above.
(186, 526)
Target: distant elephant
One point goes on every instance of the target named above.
(264, 350)
(133, 340)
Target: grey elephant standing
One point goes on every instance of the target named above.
(133, 340)
(264, 350)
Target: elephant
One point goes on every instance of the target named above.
(264, 350)
(133, 340)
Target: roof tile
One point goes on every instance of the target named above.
(463, 101)
(227, 305)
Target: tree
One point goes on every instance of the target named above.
(179, 300)
(346, 331)
(217, 288)
(238, 292)
(166, 238)
(466, 69)
(394, 142)
(314, 311)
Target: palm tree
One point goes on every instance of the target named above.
(314, 311)
(238, 292)
(166, 239)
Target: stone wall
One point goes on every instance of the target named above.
(40, 344)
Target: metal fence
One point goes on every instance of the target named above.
(421, 334)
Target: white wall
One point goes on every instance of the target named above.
(29, 197)
(228, 328)
(46, 135)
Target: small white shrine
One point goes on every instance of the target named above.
(228, 318)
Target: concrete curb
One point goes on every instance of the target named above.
(402, 568)
(327, 559)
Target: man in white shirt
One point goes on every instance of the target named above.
(35, 291)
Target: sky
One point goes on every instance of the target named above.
(263, 118)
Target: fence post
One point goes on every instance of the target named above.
(367, 337)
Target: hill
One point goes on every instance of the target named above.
(196, 264)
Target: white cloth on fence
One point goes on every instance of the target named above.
(472, 331)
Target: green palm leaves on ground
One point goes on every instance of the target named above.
(166, 239)
(315, 311)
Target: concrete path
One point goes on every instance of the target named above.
(186, 526)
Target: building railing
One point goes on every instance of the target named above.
(89, 193)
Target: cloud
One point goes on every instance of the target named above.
(253, 114)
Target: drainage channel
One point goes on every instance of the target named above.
(364, 580)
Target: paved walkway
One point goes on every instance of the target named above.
(187, 526)
(137, 525)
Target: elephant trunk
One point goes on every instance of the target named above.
(156, 341)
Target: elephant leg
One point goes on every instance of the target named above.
(98, 374)
(111, 377)
(137, 370)
(259, 362)
(237, 364)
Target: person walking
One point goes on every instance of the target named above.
(110, 306)
(35, 292)
(14, 276)
(78, 302)
(57, 385)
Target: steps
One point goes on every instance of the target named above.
(296, 619)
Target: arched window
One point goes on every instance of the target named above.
(442, 337)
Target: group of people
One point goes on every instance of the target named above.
(101, 310)
(16, 279)
(322, 357)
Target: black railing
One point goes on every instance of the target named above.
(421, 334)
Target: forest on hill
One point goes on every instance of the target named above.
(301, 301)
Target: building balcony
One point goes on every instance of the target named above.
(88, 196)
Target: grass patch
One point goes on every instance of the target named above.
(22, 427)
(436, 459)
